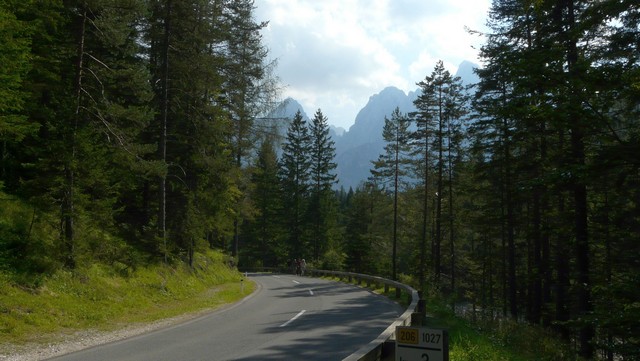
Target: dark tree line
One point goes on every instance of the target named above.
(557, 94)
(524, 194)
(125, 124)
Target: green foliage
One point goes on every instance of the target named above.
(27, 250)
(265, 233)
(294, 177)
(104, 298)
(322, 208)
(493, 340)
(367, 231)
(15, 41)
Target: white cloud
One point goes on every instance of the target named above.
(335, 54)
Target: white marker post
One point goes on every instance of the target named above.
(421, 344)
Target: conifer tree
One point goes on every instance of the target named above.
(295, 173)
(553, 119)
(322, 208)
(191, 126)
(87, 113)
(247, 91)
(15, 42)
(265, 231)
(391, 167)
(440, 106)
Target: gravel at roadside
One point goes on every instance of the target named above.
(84, 339)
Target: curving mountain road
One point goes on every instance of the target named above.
(287, 318)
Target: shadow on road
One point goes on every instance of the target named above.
(340, 337)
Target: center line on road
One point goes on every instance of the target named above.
(296, 282)
(311, 292)
(294, 317)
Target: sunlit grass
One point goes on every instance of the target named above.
(494, 340)
(482, 340)
(99, 298)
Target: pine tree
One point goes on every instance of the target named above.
(392, 167)
(265, 232)
(440, 106)
(295, 172)
(359, 243)
(88, 117)
(15, 42)
(322, 206)
(192, 127)
(247, 90)
(553, 117)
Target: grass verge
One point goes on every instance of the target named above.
(494, 340)
(482, 340)
(99, 298)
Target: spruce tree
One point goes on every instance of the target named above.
(246, 90)
(295, 173)
(440, 106)
(548, 119)
(391, 168)
(322, 208)
(15, 51)
(265, 233)
(192, 126)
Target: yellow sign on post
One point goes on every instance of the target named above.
(421, 344)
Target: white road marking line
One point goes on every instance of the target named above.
(276, 276)
(311, 292)
(296, 282)
(294, 317)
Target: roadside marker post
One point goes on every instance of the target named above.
(421, 344)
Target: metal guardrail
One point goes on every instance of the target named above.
(374, 349)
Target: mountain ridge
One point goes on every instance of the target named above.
(363, 142)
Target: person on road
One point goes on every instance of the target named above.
(303, 266)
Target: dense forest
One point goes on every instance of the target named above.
(135, 130)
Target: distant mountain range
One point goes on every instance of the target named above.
(362, 143)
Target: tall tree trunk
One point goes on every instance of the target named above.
(586, 333)
(395, 210)
(511, 246)
(545, 270)
(452, 248)
(164, 110)
(562, 267)
(536, 304)
(438, 255)
(68, 203)
(425, 210)
(503, 240)
(582, 249)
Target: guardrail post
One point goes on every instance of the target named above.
(416, 319)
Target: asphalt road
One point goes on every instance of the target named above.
(287, 318)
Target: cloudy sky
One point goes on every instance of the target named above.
(335, 54)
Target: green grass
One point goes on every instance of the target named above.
(494, 340)
(485, 340)
(99, 298)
